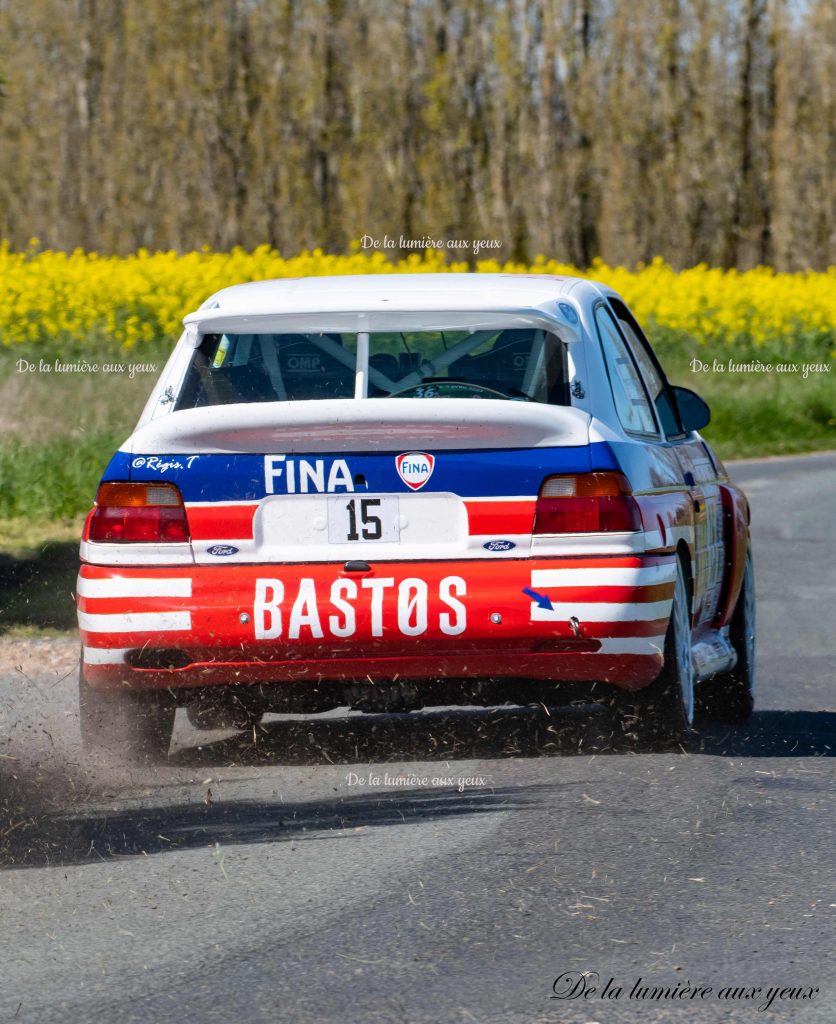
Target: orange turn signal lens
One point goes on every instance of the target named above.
(585, 485)
(124, 495)
(127, 513)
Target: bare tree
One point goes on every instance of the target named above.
(699, 131)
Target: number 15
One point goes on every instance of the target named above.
(372, 526)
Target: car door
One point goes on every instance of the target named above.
(700, 473)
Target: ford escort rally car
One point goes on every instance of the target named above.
(395, 491)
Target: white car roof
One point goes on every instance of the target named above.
(500, 293)
(402, 302)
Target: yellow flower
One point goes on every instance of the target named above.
(61, 298)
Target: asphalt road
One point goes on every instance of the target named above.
(298, 893)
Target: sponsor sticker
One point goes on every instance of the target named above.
(283, 474)
(304, 364)
(222, 550)
(499, 545)
(415, 468)
(380, 605)
(162, 464)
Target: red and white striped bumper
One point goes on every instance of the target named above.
(567, 619)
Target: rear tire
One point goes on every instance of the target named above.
(125, 726)
(731, 697)
(664, 711)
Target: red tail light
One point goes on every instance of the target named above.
(138, 514)
(586, 503)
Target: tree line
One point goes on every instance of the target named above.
(697, 130)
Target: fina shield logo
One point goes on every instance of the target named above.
(415, 468)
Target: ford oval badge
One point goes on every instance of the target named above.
(222, 549)
(499, 545)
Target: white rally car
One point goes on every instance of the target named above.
(395, 491)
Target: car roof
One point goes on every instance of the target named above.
(402, 292)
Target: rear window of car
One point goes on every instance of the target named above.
(524, 364)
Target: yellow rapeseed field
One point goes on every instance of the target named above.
(78, 297)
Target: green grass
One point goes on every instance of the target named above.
(53, 479)
(57, 434)
(761, 414)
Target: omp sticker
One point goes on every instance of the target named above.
(404, 606)
(304, 364)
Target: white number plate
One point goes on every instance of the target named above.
(353, 517)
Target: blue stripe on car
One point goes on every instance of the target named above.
(477, 473)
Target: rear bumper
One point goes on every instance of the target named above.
(199, 626)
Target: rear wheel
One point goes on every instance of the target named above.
(125, 726)
(665, 709)
(731, 697)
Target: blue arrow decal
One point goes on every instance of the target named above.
(541, 599)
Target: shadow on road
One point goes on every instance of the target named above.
(773, 734)
(89, 838)
(38, 590)
(52, 818)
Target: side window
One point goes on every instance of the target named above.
(650, 370)
(631, 400)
